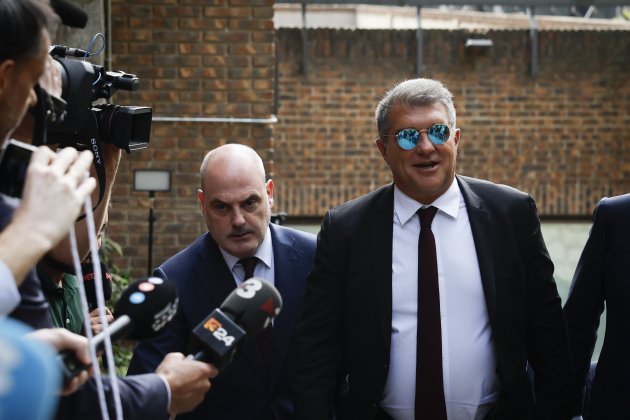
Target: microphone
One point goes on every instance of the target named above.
(29, 376)
(70, 14)
(143, 309)
(90, 287)
(246, 311)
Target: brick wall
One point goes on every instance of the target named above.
(563, 135)
(195, 58)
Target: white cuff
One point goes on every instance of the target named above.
(9, 295)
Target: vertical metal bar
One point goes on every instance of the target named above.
(276, 73)
(419, 46)
(533, 36)
(304, 41)
(151, 220)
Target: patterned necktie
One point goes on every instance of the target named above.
(429, 402)
(265, 337)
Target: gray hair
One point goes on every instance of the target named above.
(413, 92)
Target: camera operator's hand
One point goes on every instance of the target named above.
(188, 379)
(50, 80)
(61, 339)
(53, 194)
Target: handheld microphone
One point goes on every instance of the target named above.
(246, 311)
(29, 376)
(70, 14)
(90, 287)
(143, 309)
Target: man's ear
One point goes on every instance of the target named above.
(269, 189)
(382, 147)
(6, 69)
(457, 136)
(200, 196)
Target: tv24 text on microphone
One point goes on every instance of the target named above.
(249, 309)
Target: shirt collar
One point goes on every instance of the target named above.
(264, 253)
(406, 207)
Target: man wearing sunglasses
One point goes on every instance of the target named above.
(430, 297)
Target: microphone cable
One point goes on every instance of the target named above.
(100, 300)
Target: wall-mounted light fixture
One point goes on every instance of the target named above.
(478, 43)
(152, 181)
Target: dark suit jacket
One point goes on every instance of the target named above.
(142, 397)
(603, 276)
(343, 343)
(243, 390)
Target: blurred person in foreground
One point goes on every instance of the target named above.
(54, 181)
(429, 297)
(601, 282)
(236, 201)
(52, 198)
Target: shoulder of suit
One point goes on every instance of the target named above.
(288, 232)
(614, 208)
(482, 186)
(619, 200)
(354, 207)
(191, 251)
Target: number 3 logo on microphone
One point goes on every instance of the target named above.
(248, 289)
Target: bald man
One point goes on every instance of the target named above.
(236, 201)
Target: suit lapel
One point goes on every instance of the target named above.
(287, 263)
(213, 277)
(380, 269)
(483, 232)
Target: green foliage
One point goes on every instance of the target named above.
(120, 280)
(120, 276)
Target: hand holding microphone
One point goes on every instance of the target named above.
(246, 311)
(90, 295)
(144, 308)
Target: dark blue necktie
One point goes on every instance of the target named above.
(429, 402)
(265, 337)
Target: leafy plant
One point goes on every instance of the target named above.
(123, 350)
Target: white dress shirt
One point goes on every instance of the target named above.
(264, 269)
(468, 356)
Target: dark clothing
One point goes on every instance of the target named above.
(33, 309)
(244, 390)
(602, 280)
(142, 397)
(343, 344)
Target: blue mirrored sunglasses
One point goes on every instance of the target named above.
(408, 138)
